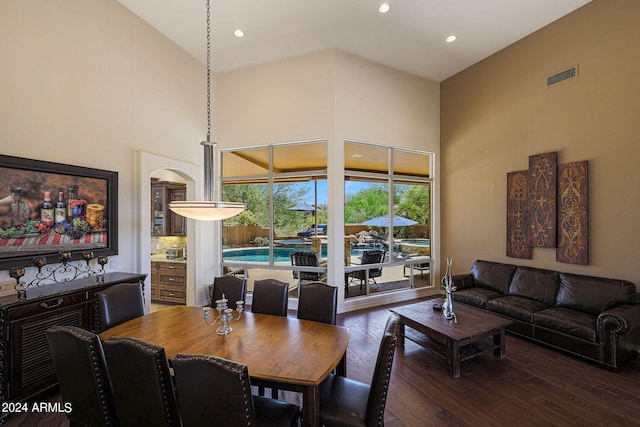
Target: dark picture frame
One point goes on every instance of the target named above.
(23, 234)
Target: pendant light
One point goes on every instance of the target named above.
(207, 210)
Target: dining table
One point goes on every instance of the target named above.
(280, 352)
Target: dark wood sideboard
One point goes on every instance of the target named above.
(26, 367)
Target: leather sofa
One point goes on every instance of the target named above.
(592, 317)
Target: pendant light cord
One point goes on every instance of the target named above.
(208, 72)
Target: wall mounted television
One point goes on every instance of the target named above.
(82, 216)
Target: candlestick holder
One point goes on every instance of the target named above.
(225, 315)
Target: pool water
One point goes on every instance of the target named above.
(261, 254)
(279, 254)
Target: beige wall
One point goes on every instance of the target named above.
(88, 83)
(498, 112)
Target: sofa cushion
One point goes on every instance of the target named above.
(535, 283)
(593, 294)
(517, 307)
(476, 297)
(571, 322)
(493, 275)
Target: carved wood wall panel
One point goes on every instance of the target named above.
(573, 213)
(542, 200)
(517, 197)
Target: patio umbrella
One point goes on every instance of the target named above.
(383, 221)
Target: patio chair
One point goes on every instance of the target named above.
(369, 257)
(306, 259)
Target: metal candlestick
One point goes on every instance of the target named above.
(225, 315)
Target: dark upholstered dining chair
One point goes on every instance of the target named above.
(306, 259)
(234, 289)
(214, 391)
(142, 383)
(317, 301)
(270, 296)
(119, 303)
(83, 376)
(346, 402)
(369, 257)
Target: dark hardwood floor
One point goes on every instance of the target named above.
(533, 386)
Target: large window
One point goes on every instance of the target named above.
(285, 190)
(387, 219)
(387, 212)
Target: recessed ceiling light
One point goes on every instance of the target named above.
(238, 33)
(451, 39)
(357, 156)
(384, 8)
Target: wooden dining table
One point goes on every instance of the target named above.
(281, 352)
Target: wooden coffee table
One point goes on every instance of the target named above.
(477, 332)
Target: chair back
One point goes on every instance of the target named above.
(119, 303)
(305, 259)
(216, 391)
(213, 391)
(317, 301)
(83, 376)
(270, 296)
(142, 384)
(373, 257)
(234, 289)
(382, 373)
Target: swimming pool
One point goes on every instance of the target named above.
(415, 246)
(279, 254)
(261, 254)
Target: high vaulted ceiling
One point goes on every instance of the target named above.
(410, 37)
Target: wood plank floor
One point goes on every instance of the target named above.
(532, 386)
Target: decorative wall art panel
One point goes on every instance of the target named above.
(541, 216)
(573, 217)
(517, 190)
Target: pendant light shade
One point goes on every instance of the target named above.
(207, 210)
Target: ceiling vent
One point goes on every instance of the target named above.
(568, 74)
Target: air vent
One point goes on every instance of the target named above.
(568, 74)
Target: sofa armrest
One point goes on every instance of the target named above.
(463, 281)
(620, 320)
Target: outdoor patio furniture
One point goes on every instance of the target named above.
(306, 259)
(420, 267)
(369, 257)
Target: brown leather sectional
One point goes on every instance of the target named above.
(592, 317)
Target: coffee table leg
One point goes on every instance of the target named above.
(400, 334)
(453, 358)
(498, 342)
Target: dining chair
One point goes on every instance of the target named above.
(270, 296)
(369, 257)
(216, 391)
(142, 383)
(234, 289)
(83, 377)
(119, 303)
(317, 301)
(346, 402)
